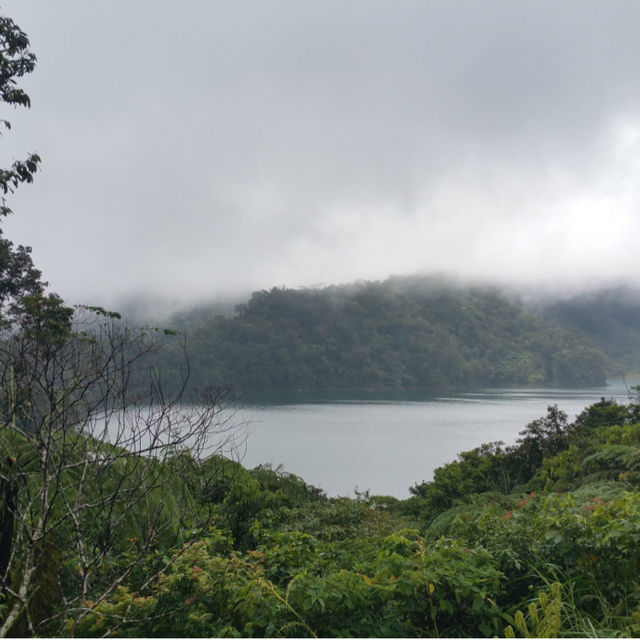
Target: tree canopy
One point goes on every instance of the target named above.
(399, 334)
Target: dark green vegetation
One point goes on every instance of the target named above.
(403, 333)
(539, 539)
(609, 317)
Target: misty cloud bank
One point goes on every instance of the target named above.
(200, 149)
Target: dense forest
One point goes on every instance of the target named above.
(610, 317)
(402, 333)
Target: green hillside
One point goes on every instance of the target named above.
(609, 317)
(402, 333)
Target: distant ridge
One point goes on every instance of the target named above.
(402, 333)
(609, 317)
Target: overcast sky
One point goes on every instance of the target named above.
(193, 149)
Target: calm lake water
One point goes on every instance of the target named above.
(387, 445)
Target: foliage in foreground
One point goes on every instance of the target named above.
(555, 555)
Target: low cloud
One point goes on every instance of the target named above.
(196, 150)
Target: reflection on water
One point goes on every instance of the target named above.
(386, 444)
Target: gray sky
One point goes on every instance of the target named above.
(194, 149)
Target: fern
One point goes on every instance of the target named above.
(543, 620)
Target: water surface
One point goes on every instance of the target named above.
(386, 445)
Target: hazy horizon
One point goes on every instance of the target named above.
(203, 150)
(149, 307)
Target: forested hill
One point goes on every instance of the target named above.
(610, 317)
(398, 334)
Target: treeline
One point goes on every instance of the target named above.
(402, 333)
(535, 540)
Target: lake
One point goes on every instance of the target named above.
(387, 444)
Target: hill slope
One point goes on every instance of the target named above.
(608, 317)
(400, 333)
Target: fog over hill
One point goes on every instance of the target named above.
(157, 308)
